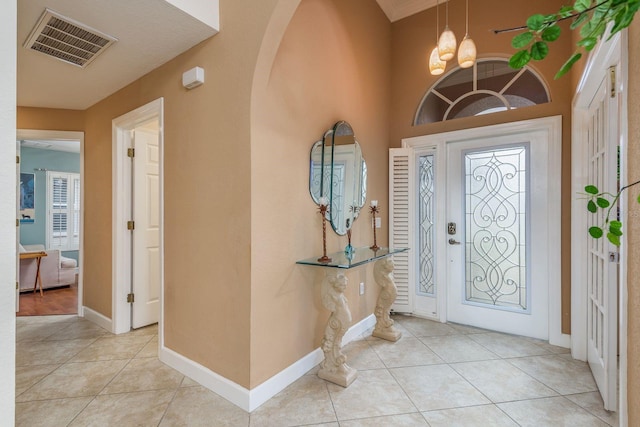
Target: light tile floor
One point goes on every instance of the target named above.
(71, 372)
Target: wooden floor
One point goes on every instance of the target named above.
(54, 301)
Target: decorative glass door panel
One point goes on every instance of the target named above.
(495, 205)
(426, 222)
(497, 197)
(428, 237)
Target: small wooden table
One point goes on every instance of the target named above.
(38, 256)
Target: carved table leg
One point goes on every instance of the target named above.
(382, 273)
(334, 367)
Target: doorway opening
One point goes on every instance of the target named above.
(138, 238)
(50, 211)
(468, 203)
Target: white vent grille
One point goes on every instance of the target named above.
(67, 40)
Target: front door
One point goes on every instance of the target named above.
(496, 204)
(484, 226)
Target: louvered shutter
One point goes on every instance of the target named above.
(401, 225)
(76, 212)
(59, 211)
(63, 211)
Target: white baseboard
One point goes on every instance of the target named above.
(97, 318)
(231, 391)
(561, 340)
(252, 399)
(358, 329)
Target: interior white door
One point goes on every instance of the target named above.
(602, 269)
(497, 256)
(146, 268)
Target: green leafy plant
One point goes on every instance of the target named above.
(606, 201)
(590, 17)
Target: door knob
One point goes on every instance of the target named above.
(453, 242)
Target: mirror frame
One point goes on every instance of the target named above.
(329, 151)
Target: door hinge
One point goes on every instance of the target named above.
(614, 256)
(17, 159)
(131, 225)
(612, 74)
(131, 152)
(17, 285)
(130, 298)
(17, 222)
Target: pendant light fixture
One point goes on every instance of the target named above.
(447, 42)
(436, 65)
(467, 51)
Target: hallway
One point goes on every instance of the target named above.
(72, 372)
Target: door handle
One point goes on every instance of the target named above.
(453, 242)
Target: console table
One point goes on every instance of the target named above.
(334, 367)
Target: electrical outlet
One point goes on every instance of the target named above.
(361, 288)
(378, 222)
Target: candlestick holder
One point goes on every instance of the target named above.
(323, 208)
(374, 210)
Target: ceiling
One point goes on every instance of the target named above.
(68, 145)
(398, 9)
(46, 82)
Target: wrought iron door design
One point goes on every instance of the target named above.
(495, 206)
(426, 233)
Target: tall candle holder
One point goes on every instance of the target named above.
(323, 208)
(374, 210)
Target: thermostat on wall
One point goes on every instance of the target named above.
(193, 78)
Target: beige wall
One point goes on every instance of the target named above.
(413, 39)
(50, 119)
(332, 64)
(207, 193)
(633, 229)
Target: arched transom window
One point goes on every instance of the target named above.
(487, 87)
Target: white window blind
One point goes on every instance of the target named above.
(63, 211)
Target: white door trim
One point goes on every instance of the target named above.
(78, 136)
(607, 53)
(552, 125)
(121, 184)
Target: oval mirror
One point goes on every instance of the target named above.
(320, 172)
(339, 172)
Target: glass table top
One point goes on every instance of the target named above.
(359, 256)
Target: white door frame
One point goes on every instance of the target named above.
(552, 125)
(18, 164)
(79, 136)
(605, 55)
(121, 248)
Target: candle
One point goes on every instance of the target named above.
(324, 201)
(374, 203)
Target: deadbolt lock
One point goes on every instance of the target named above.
(451, 228)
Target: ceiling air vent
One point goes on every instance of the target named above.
(67, 40)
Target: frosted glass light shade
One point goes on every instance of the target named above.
(436, 65)
(466, 52)
(447, 44)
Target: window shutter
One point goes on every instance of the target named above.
(401, 225)
(63, 211)
(76, 213)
